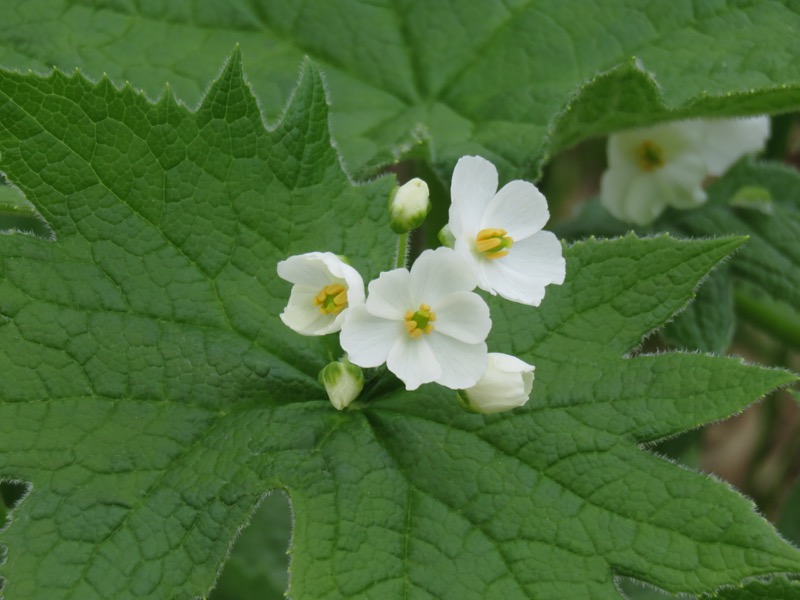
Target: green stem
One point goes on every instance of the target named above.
(402, 250)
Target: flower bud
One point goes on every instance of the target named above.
(343, 381)
(446, 237)
(409, 205)
(506, 384)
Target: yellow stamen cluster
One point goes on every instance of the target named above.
(493, 243)
(332, 299)
(419, 322)
(649, 156)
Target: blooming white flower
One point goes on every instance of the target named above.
(499, 233)
(343, 382)
(325, 287)
(426, 324)
(652, 168)
(409, 205)
(505, 384)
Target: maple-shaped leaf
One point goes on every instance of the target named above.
(151, 395)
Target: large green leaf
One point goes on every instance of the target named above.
(512, 81)
(152, 396)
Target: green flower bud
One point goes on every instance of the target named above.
(409, 205)
(446, 237)
(343, 381)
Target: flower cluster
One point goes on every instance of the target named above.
(426, 323)
(652, 168)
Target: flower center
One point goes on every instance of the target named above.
(332, 299)
(649, 156)
(493, 243)
(419, 322)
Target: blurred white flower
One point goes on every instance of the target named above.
(505, 384)
(343, 382)
(325, 287)
(409, 205)
(426, 324)
(500, 233)
(652, 168)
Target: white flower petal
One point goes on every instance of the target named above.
(303, 317)
(413, 361)
(727, 140)
(473, 186)
(390, 295)
(440, 272)
(523, 274)
(368, 339)
(614, 193)
(463, 316)
(681, 184)
(462, 364)
(645, 201)
(519, 208)
(354, 284)
(634, 197)
(311, 268)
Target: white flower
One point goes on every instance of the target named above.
(656, 167)
(409, 205)
(343, 382)
(506, 384)
(650, 169)
(324, 288)
(426, 324)
(499, 233)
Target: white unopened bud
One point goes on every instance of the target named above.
(506, 384)
(409, 205)
(343, 381)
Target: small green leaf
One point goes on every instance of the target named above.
(752, 197)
